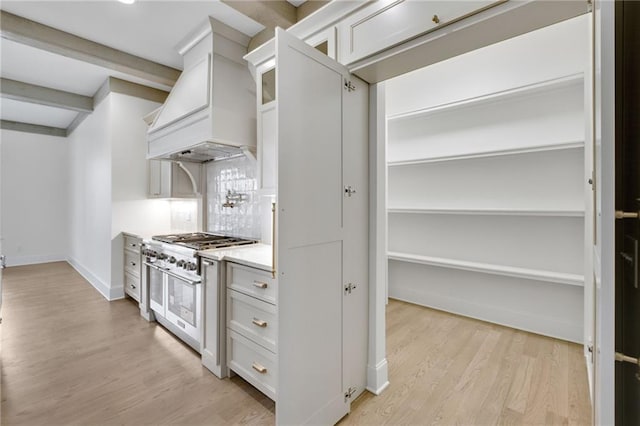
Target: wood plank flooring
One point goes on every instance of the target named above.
(69, 357)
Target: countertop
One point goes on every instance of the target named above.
(256, 255)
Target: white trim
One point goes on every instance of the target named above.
(508, 271)
(98, 284)
(377, 376)
(492, 153)
(34, 260)
(491, 212)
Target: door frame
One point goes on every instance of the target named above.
(604, 248)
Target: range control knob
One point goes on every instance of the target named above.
(172, 259)
(162, 256)
(191, 266)
(180, 263)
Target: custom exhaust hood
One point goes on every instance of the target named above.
(211, 111)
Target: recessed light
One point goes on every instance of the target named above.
(127, 1)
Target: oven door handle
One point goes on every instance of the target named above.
(176, 276)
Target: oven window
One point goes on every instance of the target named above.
(155, 286)
(182, 300)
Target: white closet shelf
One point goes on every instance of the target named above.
(543, 86)
(509, 271)
(492, 153)
(489, 212)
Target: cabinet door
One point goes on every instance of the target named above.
(386, 23)
(355, 159)
(267, 147)
(159, 179)
(155, 189)
(311, 237)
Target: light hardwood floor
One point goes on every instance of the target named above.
(71, 357)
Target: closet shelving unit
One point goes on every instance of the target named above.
(492, 185)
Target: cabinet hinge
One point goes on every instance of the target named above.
(589, 6)
(348, 288)
(349, 393)
(349, 86)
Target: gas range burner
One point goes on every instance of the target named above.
(202, 240)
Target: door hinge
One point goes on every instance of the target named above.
(3, 261)
(349, 191)
(349, 86)
(349, 287)
(592, 180)
(349, 393)
(589, 6)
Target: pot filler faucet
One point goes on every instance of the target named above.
(233, 198)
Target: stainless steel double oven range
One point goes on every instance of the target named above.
(172, 281)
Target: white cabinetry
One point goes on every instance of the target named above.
(386, 23)
(214, 325)
(169, 179)
(252, 320)
(313, 151)
(132, 266)
(486, 193)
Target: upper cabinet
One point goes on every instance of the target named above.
(386, 23)
(168, 179)
(210, 112)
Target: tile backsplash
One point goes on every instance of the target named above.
(184, 216)
(238, 175)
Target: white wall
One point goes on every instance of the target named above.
(131, 210)
(90, 197)
(34, 190)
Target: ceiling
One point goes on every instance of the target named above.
(146, 29)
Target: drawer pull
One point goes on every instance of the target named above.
(133, 263)
(259, 322)
(260, 284)
(133, 244)
(259, 368)
(133, 286)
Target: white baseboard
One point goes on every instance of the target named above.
(104, 289)
(33, 260)
(378, 377)
(116, 293)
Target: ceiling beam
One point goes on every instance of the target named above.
(116, 85)
(32, 128)
(308, 7)
(271, 14)
(31, 33)
(25, 92)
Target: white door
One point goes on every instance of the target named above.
(355, 103)
(604, 247)
(312, 240)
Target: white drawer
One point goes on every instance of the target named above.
(253, 318)
(132, 263)
(252, 282)
(253, 363)
(132, 286)
(132, 243)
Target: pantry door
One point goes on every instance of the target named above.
(628, 200)
(315, 250)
